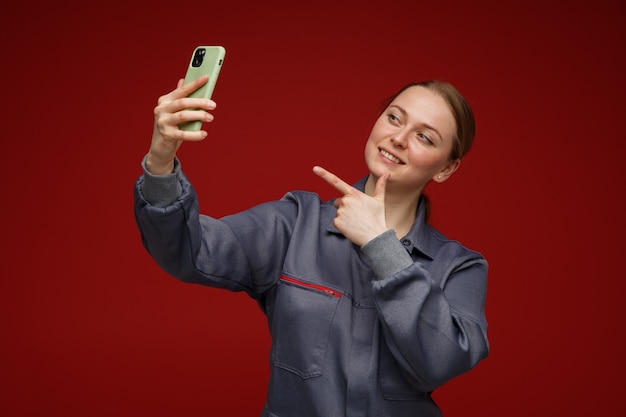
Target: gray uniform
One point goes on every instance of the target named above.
(356, 331)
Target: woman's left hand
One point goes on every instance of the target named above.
(360, 217)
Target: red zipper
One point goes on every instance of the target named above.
(314, 286)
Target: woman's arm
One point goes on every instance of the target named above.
(434, 333)
(190, 246)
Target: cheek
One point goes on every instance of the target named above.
(378, 129)
(426, 159)
(370, 146)
(369, 153)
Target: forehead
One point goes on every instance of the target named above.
(426, 106)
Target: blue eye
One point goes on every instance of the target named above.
(425, 138)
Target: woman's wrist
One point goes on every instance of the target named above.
(156, 167)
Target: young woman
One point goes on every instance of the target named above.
(369, 307)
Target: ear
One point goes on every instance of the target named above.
(449, 169)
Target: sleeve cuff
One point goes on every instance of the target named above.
(387, 255)
(161, 190)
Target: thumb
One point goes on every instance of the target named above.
(381, 186)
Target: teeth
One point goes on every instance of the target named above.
(390, 156)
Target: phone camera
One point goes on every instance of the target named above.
(198, 57)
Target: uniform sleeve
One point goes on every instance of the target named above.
(434, 328)
(242, 252)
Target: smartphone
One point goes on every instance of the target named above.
(204, 60)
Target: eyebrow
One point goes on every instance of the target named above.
(426, 125)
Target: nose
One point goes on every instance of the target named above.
(399, 139)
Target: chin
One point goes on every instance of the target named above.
(379, 171)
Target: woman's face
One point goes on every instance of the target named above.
(412, 140)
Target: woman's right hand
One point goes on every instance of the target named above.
(168, 114)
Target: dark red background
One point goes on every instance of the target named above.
(89, 324)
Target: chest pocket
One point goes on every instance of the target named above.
(303, 316)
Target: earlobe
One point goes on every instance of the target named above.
(447, 171)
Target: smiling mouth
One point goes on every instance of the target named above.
(390, 156)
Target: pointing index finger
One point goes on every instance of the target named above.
(333, 180)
